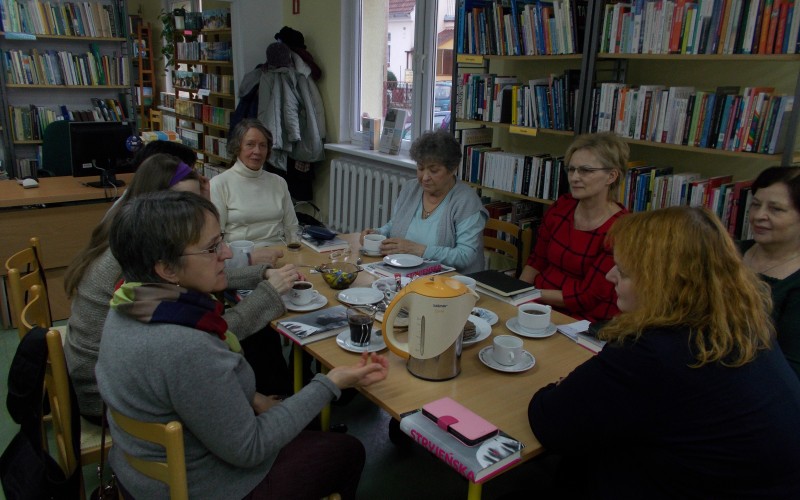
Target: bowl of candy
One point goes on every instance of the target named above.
(339, 275)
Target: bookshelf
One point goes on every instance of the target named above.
(639, 56)
(57, 62)
(203, 81)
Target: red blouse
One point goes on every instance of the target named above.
(575, 262)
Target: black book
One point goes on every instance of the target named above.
(501, 283)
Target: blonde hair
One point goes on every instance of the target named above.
(610, 150)
(686, 271)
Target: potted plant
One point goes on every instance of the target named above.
(168, 36)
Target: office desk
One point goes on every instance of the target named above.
(501, 398)
(62, 213)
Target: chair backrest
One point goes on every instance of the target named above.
(517, 251)
(56, 381)
(24, 270)
(35, 311)
(155, 119)
(170, 436)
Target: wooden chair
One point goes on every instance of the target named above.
(24, 270)
(58, 393)
(155, 119)
(516, 252)
(170, 436)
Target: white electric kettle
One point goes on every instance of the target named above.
(438, 308)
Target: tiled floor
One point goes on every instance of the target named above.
(390, 473)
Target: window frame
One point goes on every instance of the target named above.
(424, 68)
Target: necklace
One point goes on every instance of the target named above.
(427, 213)
(595, 222)
(780, 263)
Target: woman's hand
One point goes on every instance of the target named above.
(262, 403)
(364, 233)
(266, 255)
(283, 278)
(400, 245)
(369, 369)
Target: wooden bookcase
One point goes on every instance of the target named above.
(203, 81)
(689, 66)
(145, 85)
(48, 66)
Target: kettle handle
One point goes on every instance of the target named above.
(394, 307)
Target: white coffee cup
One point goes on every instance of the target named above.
(372, 242)
(533, 316)
(507, 350)
(302, 293)
(241, 250)
(469, 282)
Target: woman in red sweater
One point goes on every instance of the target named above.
(570, 260)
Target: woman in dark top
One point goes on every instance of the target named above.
(774, 251)
(689, 398)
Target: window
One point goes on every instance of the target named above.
(415, 73)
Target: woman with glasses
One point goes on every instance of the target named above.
(93, 274)
(168, 354)
(570, 260)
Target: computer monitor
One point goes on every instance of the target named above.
(98, 148)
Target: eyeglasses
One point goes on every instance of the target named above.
(583, 170)
(214, 249)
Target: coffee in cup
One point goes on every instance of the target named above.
(507, 350)
(372, 242)
(360, 319)
(533, 316)
(303, 292)
(293, 235)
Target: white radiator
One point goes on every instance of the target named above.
(362, 194)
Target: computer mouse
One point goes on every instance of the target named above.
(29, 183)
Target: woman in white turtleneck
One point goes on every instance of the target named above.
(253, 204)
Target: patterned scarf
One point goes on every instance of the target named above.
(166, 303)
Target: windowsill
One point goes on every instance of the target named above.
(401, 160)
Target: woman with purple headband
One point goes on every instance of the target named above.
(92, 276)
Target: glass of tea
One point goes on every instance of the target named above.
(293, 235)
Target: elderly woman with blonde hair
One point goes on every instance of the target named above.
(691, 397)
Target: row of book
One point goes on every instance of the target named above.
(66, 68)
(167, 99)
(206, 51)
(548, 102)
(192, 109)
(89, 19)
(751, 120)
(208, 19)
(216, 115)
(701, 27)
(647, 187)
(517, 27)
(217, 146)
(538, 176)
(195, 80)
(29, 122)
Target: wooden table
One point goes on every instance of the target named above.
(501, 398)
(62, 212)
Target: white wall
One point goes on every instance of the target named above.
(255, 23)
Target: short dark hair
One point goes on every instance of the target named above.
(155, 174)
(237, 136)
(787, 175)
(157, 227)
(185, 153)
(437, 146)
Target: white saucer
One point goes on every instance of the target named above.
(482, 328)
(360, 296)
(486, 315)
(514, 326)
(376, 342)
(368, 253)
(526, 364)
(403, 260)
(389, 284)
(318, 302)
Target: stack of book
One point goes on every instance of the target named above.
(426, 268)
(505, 288)
(578, 332)
(317, 325)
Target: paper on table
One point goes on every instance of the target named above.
(576, 331)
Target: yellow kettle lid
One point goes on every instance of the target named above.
(437, 287)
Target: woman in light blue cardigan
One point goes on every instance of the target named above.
(437, 217)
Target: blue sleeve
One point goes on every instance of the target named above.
(386, 229)
(468, 243)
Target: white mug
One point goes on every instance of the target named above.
(241, 250)
(533, 316)
(372, 242)
(507, 350)
(469, 282)
(303, 292)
